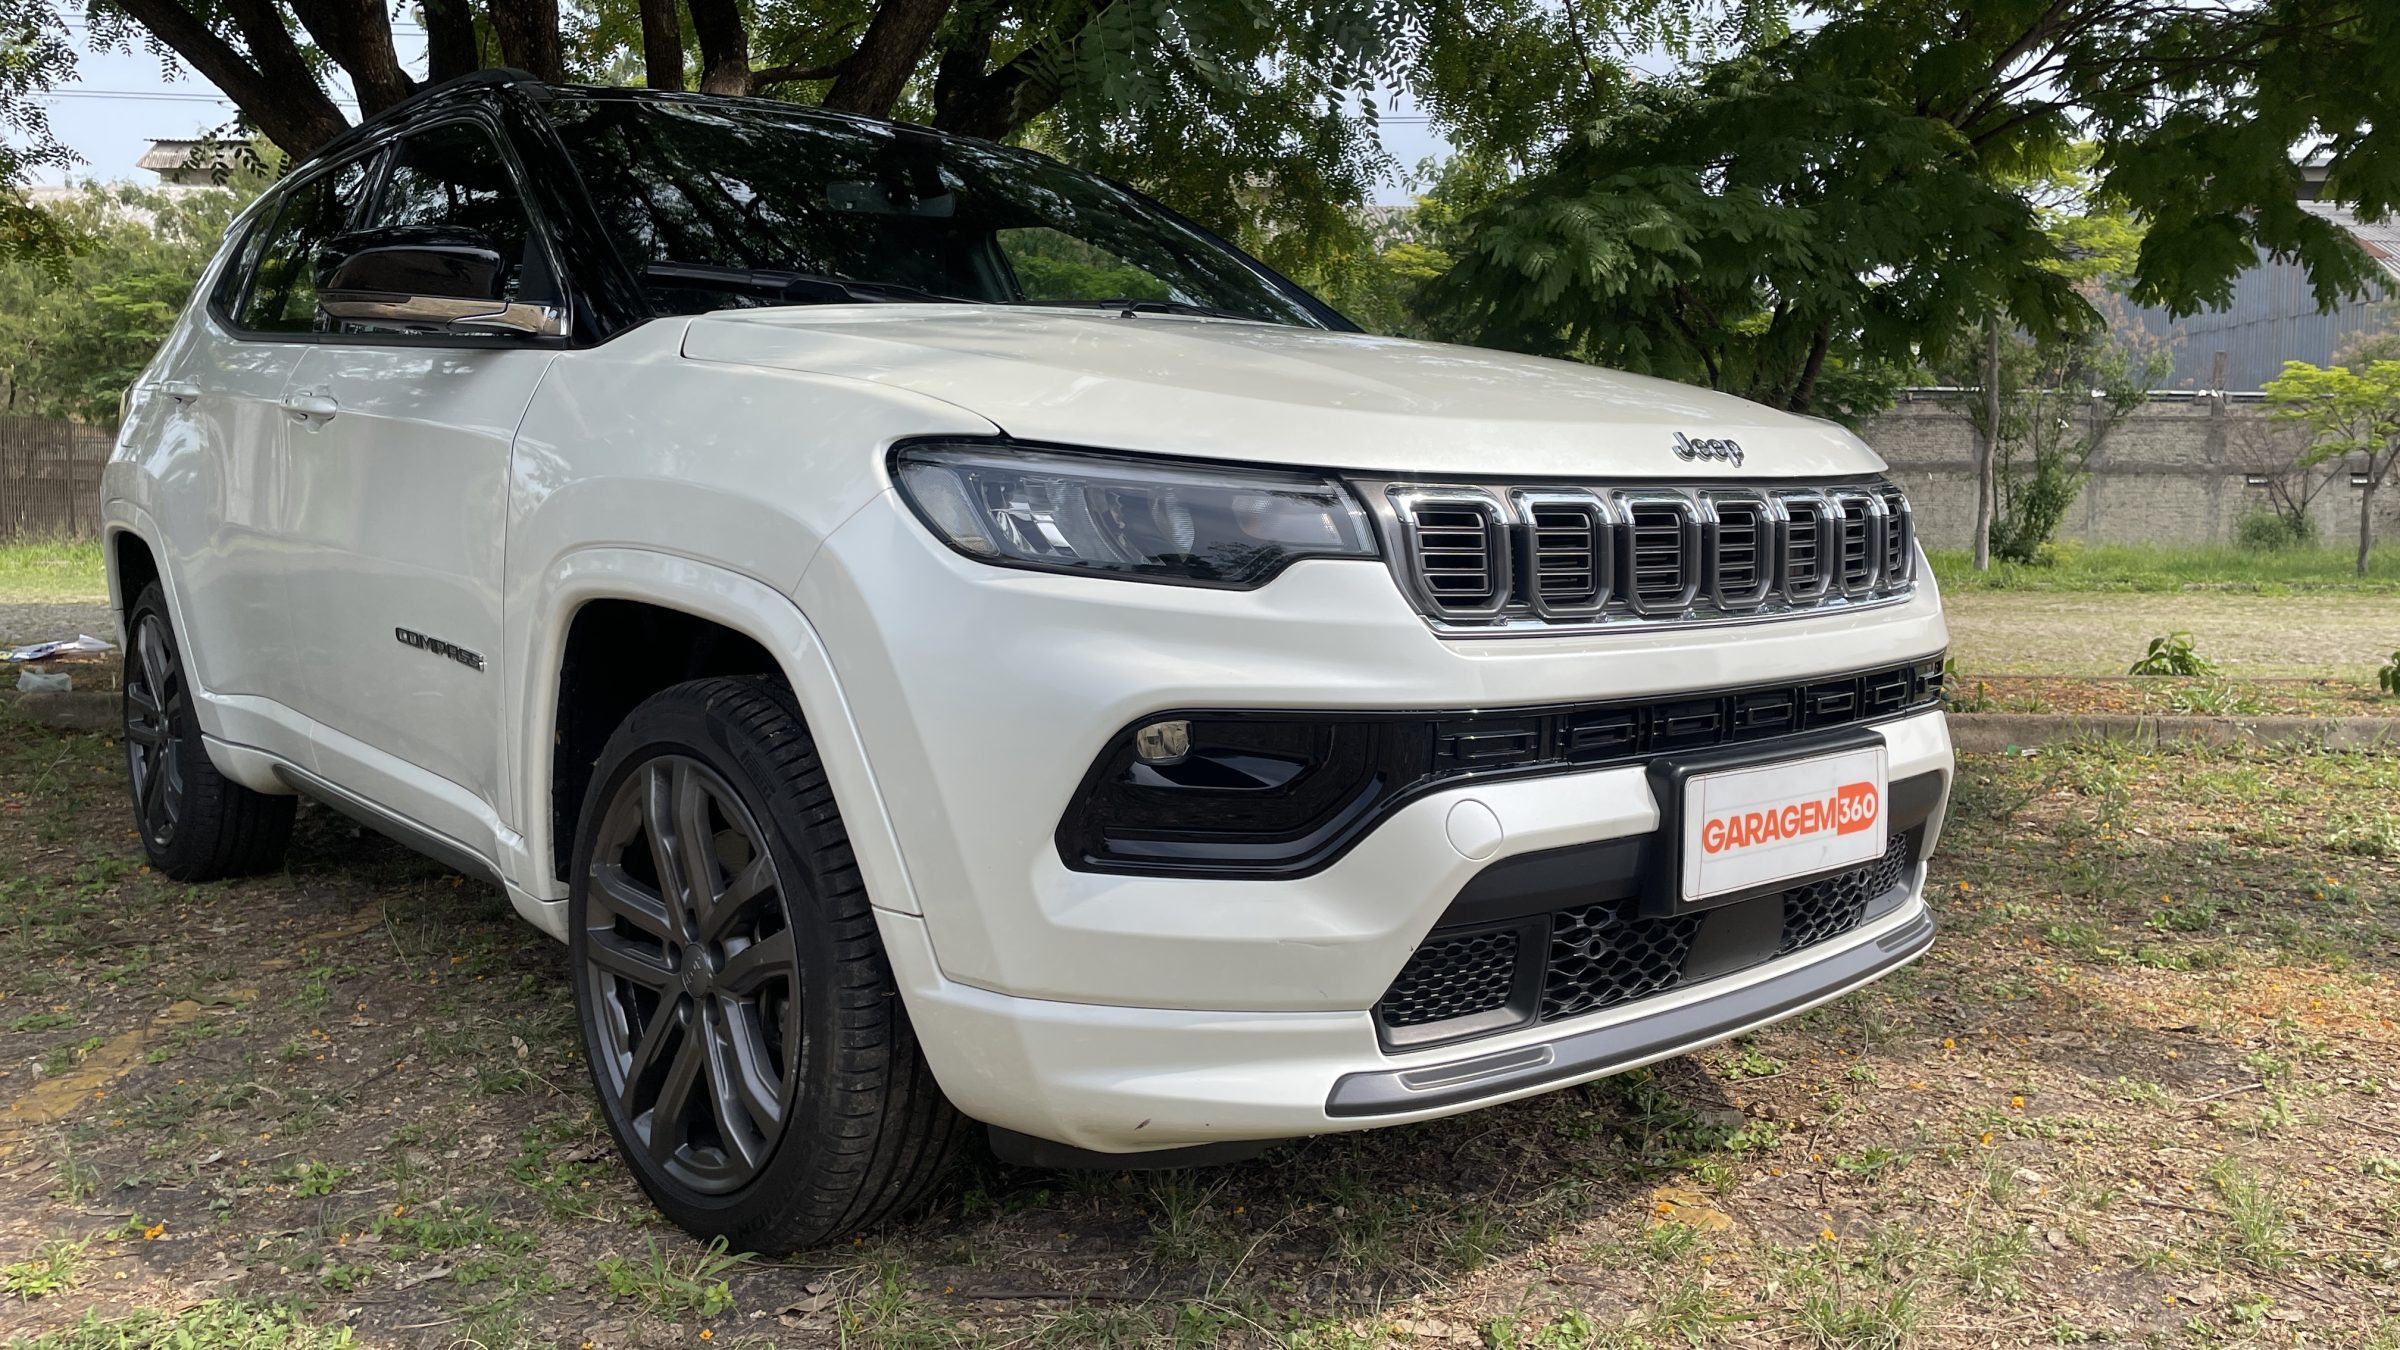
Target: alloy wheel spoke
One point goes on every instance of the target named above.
(669, 1129)
(643, 1061)
(658, 827)
(631, 960)
(727, 1101)
(158, 659)
(153, 789)
(633, 902)
(754, 1070)
(755, 880)
(695, 843)
(758, 965)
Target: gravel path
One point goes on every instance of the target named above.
(23, 623)
(2090, 633)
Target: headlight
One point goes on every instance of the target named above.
(1153, 520)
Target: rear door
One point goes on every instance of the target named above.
(398, 485)
(220, 458)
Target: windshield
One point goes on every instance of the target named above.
(718, 205)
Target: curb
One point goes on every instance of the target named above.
(1994, 733)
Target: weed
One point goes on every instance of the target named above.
(2387, 677)
(311, 1179)
(666, 1285)
(54, 1269)
(2261, 1235)
(217, 1324)
(2173, 654)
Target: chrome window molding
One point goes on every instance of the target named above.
(1814, 549)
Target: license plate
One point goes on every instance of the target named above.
(1746, 829)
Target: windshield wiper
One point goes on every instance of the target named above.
(1128, 307)
(800, 287)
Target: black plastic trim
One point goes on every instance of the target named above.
(1522, 742)
(1631, 1042)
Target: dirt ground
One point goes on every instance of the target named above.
(2140, 1094)
(2343, 636)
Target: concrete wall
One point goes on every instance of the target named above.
(2172, 473)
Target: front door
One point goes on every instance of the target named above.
(399, 467)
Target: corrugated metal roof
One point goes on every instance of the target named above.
(2381, 239)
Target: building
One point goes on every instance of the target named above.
(2273, 317)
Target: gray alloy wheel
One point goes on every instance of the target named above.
(157, 703)
(692, 969)
(195, 823)
(752, 1055)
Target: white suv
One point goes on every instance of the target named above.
(944, 638)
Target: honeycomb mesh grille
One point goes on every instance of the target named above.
(1832, 907)
(1600, 956)
(1451, 978)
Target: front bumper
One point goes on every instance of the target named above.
(1125, 1013)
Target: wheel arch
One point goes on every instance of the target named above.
(590, 601)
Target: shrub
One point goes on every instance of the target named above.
(2173, 654)
(2388, 678)
(2276, 532)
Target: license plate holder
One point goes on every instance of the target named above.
(1740, 823)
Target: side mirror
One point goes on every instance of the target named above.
(420, 279)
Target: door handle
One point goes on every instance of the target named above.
(182, 391)
(311, 405)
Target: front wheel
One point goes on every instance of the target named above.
(746, 1041)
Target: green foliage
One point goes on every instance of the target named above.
(2352, 415)
(2275, 532)
(74, 335)
(2387, 677)
(2058, 401)
(694, 1284)
(214, 1324)
(2173, 654)
(54, 1269)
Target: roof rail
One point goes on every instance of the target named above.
(494, 77)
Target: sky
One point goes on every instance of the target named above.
(123, 102)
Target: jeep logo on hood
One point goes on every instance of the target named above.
(1729, 451)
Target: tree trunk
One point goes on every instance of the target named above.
(358, 36)
(724, 46)
(450, 48)
(873, 76)
(528, 33)
(1987, 449)
(2366, 519)
(662, 44)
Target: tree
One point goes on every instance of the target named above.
(75, 334)
(2280, 456)
(1856, 196)
(2058, 403)
(1247, 115)
(2348, 413)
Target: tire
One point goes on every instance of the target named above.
(196, 824)
(747, 1043)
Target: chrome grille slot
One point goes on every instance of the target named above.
(1858, 535)
(1569, 564)
(1807, 539)
(1899, 535)
(1739, 550)
(1459, 550)
(1661, 552)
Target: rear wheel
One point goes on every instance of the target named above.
(746, 1041)
(196, 824)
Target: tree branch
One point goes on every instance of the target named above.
(873, 76)
(272, 85)
(358, 36)
(794, 73)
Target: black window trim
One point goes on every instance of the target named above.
(378, 153)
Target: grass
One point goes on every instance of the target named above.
(52, 571)
(2128, 567)
(2147, 1056)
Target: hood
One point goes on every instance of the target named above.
(1225, 389)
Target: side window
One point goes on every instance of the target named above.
(281, 296)
(452, 177)
(1055, 266)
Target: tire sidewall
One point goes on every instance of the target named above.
(689, 727)
(183, 851)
